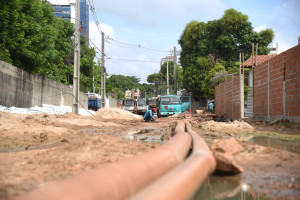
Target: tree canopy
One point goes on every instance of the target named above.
(117, 84)
(35, 40)
(162, 75)
(222, 39)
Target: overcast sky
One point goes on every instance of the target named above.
(158, 24)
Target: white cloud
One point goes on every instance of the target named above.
(286, 25)
(147, 13)
(260, 28)
(155, 24)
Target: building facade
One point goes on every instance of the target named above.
(65, 9)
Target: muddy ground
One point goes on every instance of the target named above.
(35, 149)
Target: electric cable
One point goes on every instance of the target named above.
(80, 29)
(123, 59)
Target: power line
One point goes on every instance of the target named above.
(92, 8)
(136, 45)
(131, 47)
(120, 44)
(80, 29)
(132, 60)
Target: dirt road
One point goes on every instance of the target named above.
(35, 149)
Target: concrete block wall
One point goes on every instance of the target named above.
(21, 89)
(227, 99)
(276, 87)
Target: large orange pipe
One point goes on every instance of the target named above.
(183, 181)
(121, 179)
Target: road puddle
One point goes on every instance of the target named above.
(283, 144)
(144, 138)
(225, 188)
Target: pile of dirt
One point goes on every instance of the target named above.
(227, 127)
(116, 114)
(179, 114)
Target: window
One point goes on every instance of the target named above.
(170, 100)
(142, 102)
(129, 103)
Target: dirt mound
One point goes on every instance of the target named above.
(227, 127)
(71, 115)
(116, 114)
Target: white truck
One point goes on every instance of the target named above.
(134, 103)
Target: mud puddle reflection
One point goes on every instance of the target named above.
(144, 138)
(287, 145)
(225, 188)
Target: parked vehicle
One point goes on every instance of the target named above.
(94, 104)
(142, 107)
(172, 104)
(153, 102)
(128, 104)
(133, 101)
(169, 105)
(94, 101)
(185, 103)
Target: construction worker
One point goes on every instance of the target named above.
(148, 115)
(211, 107)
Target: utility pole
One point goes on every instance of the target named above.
(256, 54)
(167, 77)
(175, 71)
(102, 74)
(76, 73)
(3, 49)
(161, 78)
(241, 77)
(93, 80)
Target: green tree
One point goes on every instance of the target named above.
(156, 77)
(153, 78)
(117, 84)
(223, 39)
(194, 75)
(215, 76)
(36, 40)
(88, 67)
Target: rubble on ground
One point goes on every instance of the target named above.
(224, 151)
(227, 127)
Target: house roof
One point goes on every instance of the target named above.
(260, 59)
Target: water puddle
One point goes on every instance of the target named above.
(143, 138)
(287, 145)
(99, 131)
(225, 188)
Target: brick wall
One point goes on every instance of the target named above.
(228, 99)
(276, 87)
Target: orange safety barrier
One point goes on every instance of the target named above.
(183, 181)
(121, 179)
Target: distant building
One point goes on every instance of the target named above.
(171, 58)
(65, 9)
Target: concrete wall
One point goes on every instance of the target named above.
(112, 102)
(21, 89)
(276, 87)
(228, 98)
